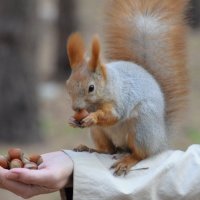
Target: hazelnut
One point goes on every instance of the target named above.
(31, 165)
(35, 158)
(25, 159)
(4, 162)
(14, 153)
(81, 115)
(16, 163)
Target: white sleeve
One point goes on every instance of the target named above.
(167, 176)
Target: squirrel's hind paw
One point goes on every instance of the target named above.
(123, 166)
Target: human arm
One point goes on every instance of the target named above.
(167, 176)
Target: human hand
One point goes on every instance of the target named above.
(52, 175)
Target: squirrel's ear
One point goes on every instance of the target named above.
(95, 56)
(75, 49)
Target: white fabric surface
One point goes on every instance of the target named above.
(170, 175)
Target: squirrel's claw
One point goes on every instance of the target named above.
(120, 169)
(124, 165)
(73, 123)
(81, 148)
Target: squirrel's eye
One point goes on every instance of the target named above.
(91, 88)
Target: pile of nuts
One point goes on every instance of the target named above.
(17, 159)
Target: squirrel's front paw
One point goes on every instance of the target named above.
(90, 120)
(81, 148)
(74, 123)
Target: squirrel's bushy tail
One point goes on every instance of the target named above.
(152, 33)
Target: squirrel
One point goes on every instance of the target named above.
(134, 98)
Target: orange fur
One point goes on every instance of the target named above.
(103, 71)
(104, 115)
(75, 50)
(172, 59)
(136, 152)
(94, 60)
(102, 142)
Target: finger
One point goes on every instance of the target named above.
(41, 178)
(36, 177)
(22, 189)
(25, 191)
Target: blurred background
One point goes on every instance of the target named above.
(34, 106)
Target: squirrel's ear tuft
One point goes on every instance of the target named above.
(95, 55)
(75, 49)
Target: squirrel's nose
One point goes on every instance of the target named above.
(78, 105)
(77, 109)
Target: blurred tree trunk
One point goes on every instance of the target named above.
(67, 23)
(18, 102)
(194, 13)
